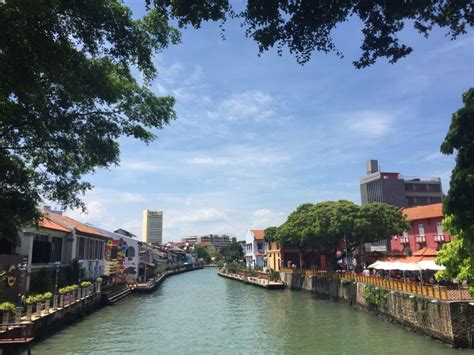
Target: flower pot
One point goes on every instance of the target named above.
(29, 311)
(5, 318)
(78, 295)
(39, 307)
(61, 300)
(55, 302)
(18, 315)
(47, 303)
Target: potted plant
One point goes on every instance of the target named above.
(85, 288)
(39, 304)
(47, 300)
(6, 309)
(30, 301)
(62, 292)
(98, 284)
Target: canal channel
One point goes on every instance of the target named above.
(201, 313)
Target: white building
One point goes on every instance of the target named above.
(255, 248)
(152, 227)
(132, 253)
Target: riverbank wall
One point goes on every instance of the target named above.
(449, 321)
(256, 281)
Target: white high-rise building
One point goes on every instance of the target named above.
(152, 226)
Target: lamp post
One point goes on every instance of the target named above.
(80, 262)
(22, 267)
(57, 265)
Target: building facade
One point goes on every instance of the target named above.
(426, 230)
(218, 241)
(273, 256)
(152, 227)
(255, 248)
(394, 189)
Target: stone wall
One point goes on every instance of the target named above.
(449, 321)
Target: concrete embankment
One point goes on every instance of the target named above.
(270, 285)
(449, 321)
(152, 286)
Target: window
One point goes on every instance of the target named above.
(130, 252)
(439, 228)
(57, 247)
(421, 230)
(41, 250)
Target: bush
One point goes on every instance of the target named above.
(273, 275)
(375, 295)
(69, 289)
(32, 299)
(47, 295)
(99, 279)
(8, 307)
(86, 283)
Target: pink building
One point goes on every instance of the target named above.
(426, 229)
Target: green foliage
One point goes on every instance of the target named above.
(86, 283)
(233, 252)
(458, 256)
(34, 299)
(345, 281)
(273, 275)
(8, 307)
(68, 289)
(203, 253)
(99, 279)
(48, 295)
(323, 225)
(375, 295)
(67, 94)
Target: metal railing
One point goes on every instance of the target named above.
(447, 293)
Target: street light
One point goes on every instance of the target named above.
(22, 267)
(57, 265)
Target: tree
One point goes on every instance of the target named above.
(202, 253)
(233, 252)
(67, 94)
(324, 226)
(305, 26)
(458, 256)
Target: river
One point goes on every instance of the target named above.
(202, 313)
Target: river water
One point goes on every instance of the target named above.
(199, 312)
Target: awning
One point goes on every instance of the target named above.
(403, 266)
(430, 265)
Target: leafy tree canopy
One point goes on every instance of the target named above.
(302, 27)
(324, 225)
(67, 94)
(458, 256)
(233, 252)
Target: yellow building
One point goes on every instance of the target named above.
(274, 256)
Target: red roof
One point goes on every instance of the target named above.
(423, 212)
(258, 234)
(425, 252)
(48, 224)
(70, 223)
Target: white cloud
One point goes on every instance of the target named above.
(202, 215)
(96, 213)
(434, 156)
(253, 105)
(371, 124)
(140, 166)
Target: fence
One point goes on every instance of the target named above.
(448, 293)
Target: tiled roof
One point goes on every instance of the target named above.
(425, 252)
(72, 223)
(48, 224)
(422, 212)
(258, 234)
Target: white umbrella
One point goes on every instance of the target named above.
(430, 265)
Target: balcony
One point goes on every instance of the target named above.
(420, 239)
(439, 238)
(404, 240)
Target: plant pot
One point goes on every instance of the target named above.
(78, 295)
(5, 318)
(61, 300)
(47, 303)
(18, 315)
(39, 307)
(55, 302)
(29, 311)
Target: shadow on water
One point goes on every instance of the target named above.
(202, 313)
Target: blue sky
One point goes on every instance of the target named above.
(257, 136)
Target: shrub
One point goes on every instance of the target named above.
(345, 281)
(8, 307)
(99, 279)
(86, 283)
(375, 295)
(34, 299)
(273, 275)
(47, 295)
